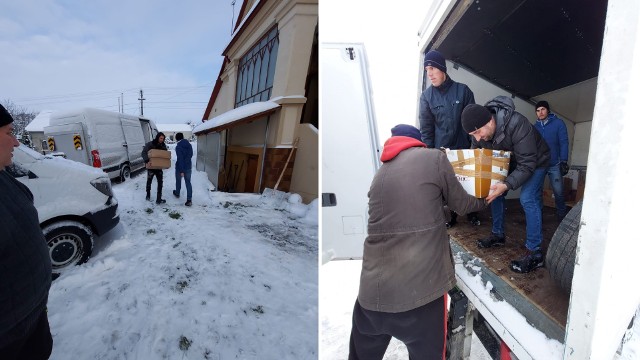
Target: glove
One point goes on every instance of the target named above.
(564, 168)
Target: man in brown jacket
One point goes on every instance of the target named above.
(407, 266)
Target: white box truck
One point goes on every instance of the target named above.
(75, 204)
(582, 59)
(103, 139)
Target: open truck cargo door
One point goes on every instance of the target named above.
(346, 94)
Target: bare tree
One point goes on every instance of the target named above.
(21, 118)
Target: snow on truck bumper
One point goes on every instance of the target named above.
(105, 218)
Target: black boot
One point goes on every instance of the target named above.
(529, 262)
(490, 241)
(160, 200)
(148, 196)
(453, 221)
(473, 219)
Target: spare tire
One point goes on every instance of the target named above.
(561, 254)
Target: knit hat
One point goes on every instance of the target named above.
(474, 117)
(406, 130)
(543, 104)
(435, 59)
(5, 117)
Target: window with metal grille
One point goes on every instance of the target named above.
(256, 70)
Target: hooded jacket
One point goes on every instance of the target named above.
(153, 144)
(515, 133)
(407, 259)
(440, 110)
(554, 132)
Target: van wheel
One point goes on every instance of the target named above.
(125, 173)
(561, 255)
(70, 243)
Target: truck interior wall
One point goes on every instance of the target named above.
(581, 142)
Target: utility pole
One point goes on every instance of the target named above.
(119, 104)
(122, 102)
(142, 99)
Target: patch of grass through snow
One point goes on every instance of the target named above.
(185, 343)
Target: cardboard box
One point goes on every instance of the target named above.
(158, 163)
(163, 154)
(478, 169)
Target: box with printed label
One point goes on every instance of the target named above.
(478, 169)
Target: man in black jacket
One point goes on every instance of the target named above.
(441, 105)
(498, 126)
(157, 143)
(25, 263)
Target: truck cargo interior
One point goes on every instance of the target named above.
(533, 50)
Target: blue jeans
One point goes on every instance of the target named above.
(187, 182)
(556, 180)
(531, 201)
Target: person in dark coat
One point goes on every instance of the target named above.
(407, 267)
(441, 105)
(24, 261)
(498, 126)
(184, 152)
(554, 132)
(157, 143)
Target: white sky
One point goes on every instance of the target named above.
(60, 54)
(389, 31)
(235, 274)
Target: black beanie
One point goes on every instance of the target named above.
(435, 59)
(474, 117)
(406, 130)
(5, 117)
(543, 104)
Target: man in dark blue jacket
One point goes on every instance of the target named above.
(441, 105)
(184, 152)
(25, 263)
(554, 132)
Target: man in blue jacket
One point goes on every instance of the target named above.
(441, 105)
(184, 152)
(554, 132)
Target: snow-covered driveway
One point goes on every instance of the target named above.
(235, 276)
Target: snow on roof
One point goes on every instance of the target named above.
(236, 114)
(173, 127)
(239, 27)
(40, 121)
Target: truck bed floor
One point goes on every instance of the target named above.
(536, 286)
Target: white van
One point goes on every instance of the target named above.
(103, 139)
(74, 202)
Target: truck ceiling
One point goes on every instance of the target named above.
(527, 47)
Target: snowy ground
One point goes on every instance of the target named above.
(235, 276)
